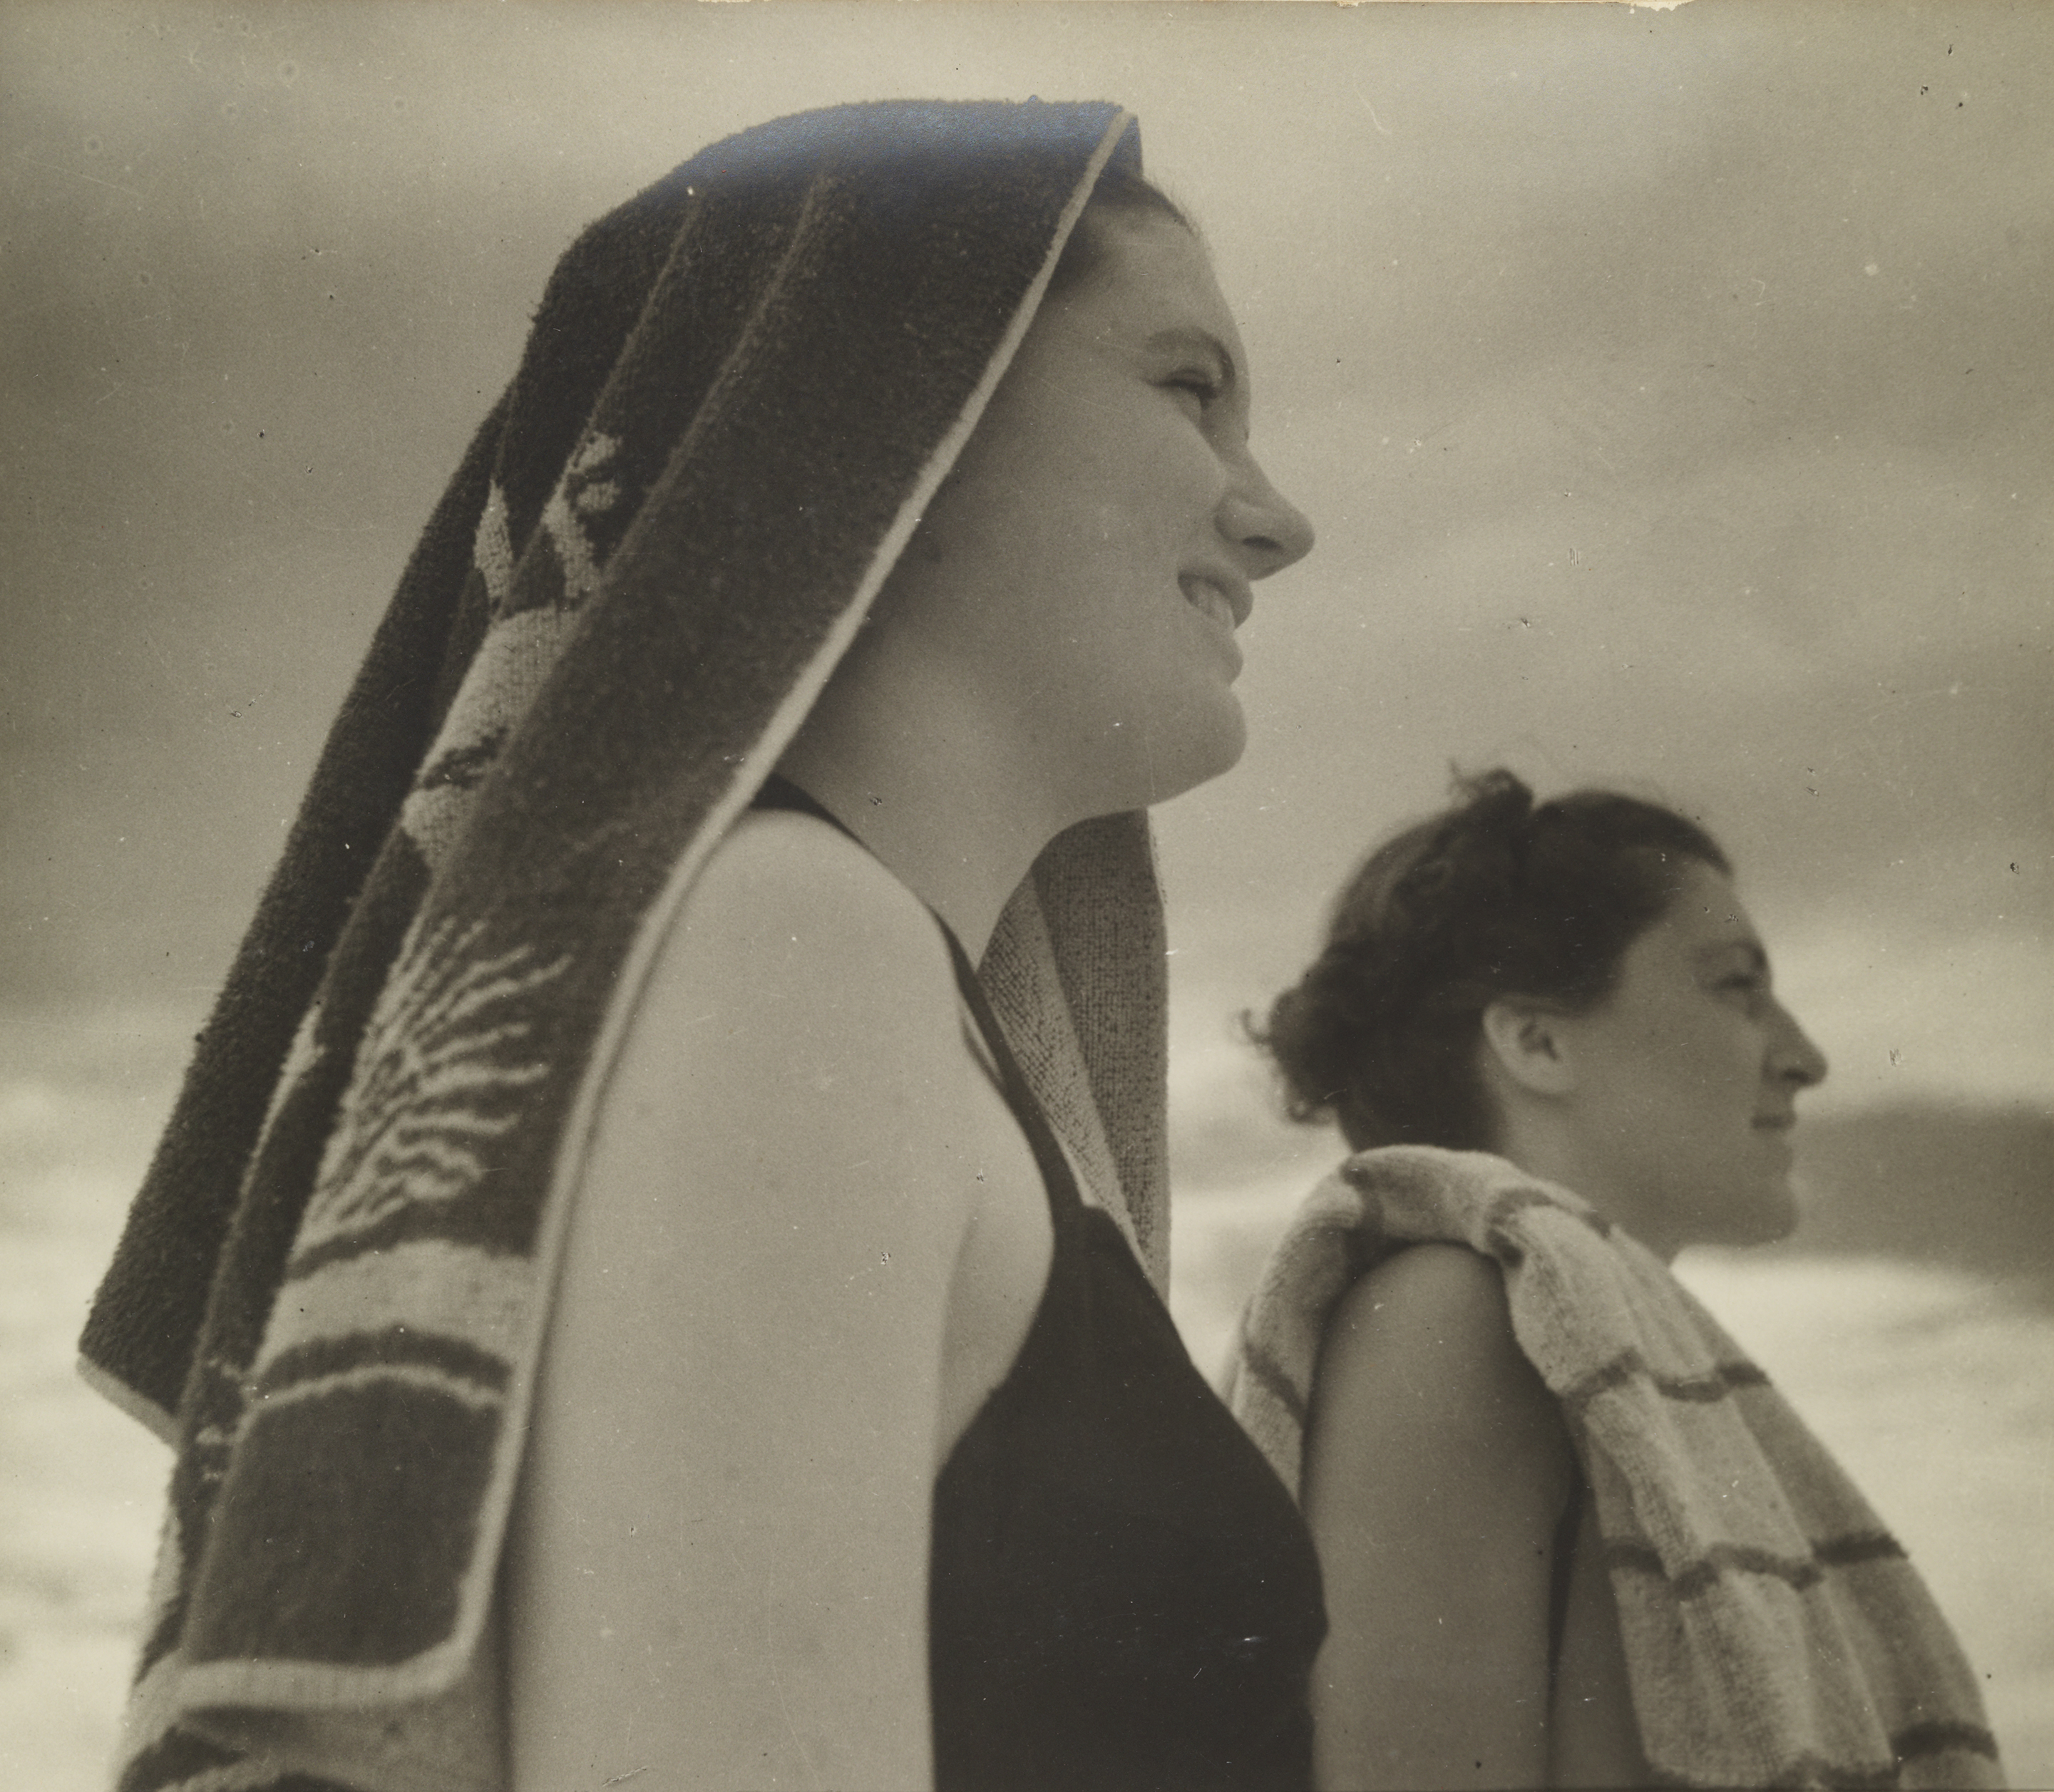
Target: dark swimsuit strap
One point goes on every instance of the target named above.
(1561, 1569)
(780, 793)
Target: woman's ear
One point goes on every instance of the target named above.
(1530, 1045)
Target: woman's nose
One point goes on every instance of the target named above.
(1271, 531)
(1795, 1058)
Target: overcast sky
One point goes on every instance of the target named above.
(1671, 391)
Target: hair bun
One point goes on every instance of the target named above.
(1496, 801)
(1476, 847)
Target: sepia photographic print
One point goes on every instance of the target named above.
(1570, 398)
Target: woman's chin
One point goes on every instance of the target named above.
(1762, 1215)
(1779, 1224)
(1207, 745)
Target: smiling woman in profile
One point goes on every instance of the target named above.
(1571, 1536)
(669, 1291)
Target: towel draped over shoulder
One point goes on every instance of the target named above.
(740, 391)
(1774, 1634)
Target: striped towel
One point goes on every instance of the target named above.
(1774, 1634)
(740, 391)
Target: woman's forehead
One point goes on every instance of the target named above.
(1153, 275)
(1705, 914)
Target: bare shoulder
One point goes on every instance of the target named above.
(1424, 1343)
(798, 1028)
(792, 895)
(1438, 1297)
(796, 952)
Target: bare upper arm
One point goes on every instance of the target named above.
(1436, 1467)
(718, 1571)
(1428, 1333)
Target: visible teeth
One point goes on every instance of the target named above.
(1207, 597)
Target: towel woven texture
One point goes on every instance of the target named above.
(740, 391)
(1774, 1634)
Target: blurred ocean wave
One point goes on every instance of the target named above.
(1930, 1373)
(81, 1102)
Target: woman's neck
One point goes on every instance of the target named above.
(1545, 1146)
(930, 787)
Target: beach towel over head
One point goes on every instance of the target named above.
(740, 391)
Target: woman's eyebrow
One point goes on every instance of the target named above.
(1757, 954)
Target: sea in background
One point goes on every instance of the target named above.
(1914, 1326)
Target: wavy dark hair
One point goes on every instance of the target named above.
(1493, 897)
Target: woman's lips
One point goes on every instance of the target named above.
(1209, 598)
(1213, 601)
(1778, 1128)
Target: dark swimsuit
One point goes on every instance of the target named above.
(1123, 1597)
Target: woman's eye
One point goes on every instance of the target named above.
(1202, 386)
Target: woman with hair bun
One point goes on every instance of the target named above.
(1570, 1535)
